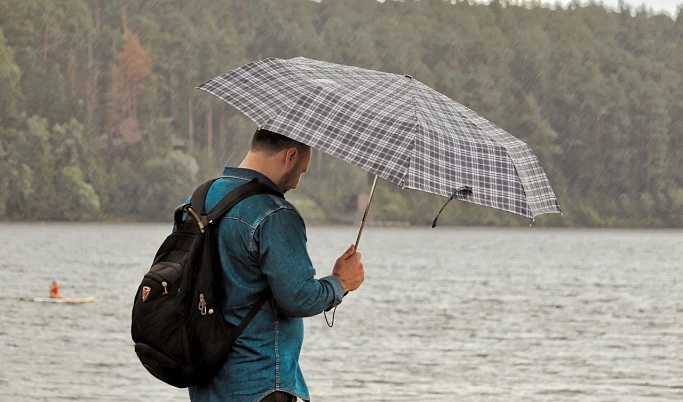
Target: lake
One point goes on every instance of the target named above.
(466, 314)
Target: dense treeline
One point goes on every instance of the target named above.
(99, 118)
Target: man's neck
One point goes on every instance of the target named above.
(262, 164)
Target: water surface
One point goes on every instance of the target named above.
(482, 315)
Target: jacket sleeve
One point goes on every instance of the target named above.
(284, 260)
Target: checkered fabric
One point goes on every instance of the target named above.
(392, 126)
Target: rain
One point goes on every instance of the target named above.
(547, 138)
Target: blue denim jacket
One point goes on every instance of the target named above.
(262, 242)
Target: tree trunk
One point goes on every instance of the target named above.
(222, 129)
(596, 131)
(71, 73)
(245, 17)
(45, 36)
(209, 126)
(124, 20)
(190, 143)
(596, 134)
(173, 94)
(98, 24)
(135, 101)
(319, 164)
(129, 106)
(90, 93)
(648, 167)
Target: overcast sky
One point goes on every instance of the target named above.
(658, 6)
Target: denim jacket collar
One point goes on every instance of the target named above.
(248, 174)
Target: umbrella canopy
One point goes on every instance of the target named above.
(392, 126)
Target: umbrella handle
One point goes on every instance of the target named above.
(367, 209)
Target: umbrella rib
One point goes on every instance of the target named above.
(417, 124)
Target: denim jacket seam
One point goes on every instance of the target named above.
(278, 201)
(277, 347)
(272, 211)
(240, 220)
(258, 223)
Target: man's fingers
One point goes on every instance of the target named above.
(348, 253)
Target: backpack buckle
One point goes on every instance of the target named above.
(178, 215)
(196, 218)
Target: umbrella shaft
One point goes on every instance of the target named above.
(367, 209)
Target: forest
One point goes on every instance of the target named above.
(100, 118)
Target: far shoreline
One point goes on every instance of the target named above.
(400, 225)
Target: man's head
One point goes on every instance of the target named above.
(282, 159)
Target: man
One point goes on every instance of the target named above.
(262, 243)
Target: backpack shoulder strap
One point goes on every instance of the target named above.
(199, 196)
(253, 187)
(264, 296)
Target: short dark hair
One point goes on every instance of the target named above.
(272, 143)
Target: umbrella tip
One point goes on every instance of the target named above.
(408, 76)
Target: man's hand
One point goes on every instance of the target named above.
(349, 270)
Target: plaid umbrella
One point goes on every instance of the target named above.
(392, 126)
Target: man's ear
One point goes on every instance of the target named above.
(291, 156)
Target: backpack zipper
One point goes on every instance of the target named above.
(157, 278)
(202, 304)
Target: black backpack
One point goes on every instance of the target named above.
(178, 328)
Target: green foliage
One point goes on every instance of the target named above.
(166, 183)
(334, 186)
(46, 172)
(149, 187)
(597, 95)
(9, 91)
(77, 199)
(9, 84)
(389, 204)
(4, 180)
